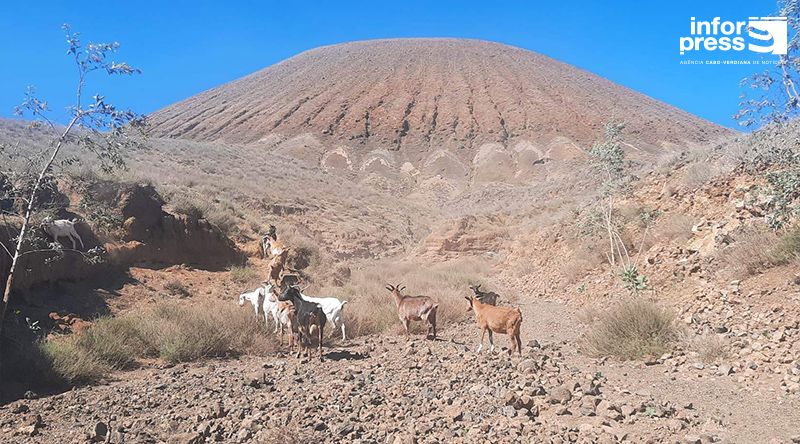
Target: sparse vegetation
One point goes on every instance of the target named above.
(219, 214)
(112, 340)
(609, 160)
(106, 132)
(370, 308)
(710, 348)
(787, 247)
(168, 331)
(63, 360)
(176, 288)
(244, 274)
(631, 329)
(757, 248)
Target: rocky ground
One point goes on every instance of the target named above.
(389, 390)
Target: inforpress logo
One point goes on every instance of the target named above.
(770, 33)
(757, 34)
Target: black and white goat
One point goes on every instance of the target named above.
(62, 228)
(486, 297)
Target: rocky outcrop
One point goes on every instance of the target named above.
(148, 235)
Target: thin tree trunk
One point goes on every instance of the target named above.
(610, 233)
(25, 222)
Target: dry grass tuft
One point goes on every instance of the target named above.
(113, 340)
(710, 348)
(787, 248)
(245, 275)
(66, 361)
(698, 174)
(753, 248)
(371, 308)
(632, 329)
(169, 331)
(176, 288)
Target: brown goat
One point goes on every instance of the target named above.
(414, 308)
(276, 266)
(286, 319)
(497, 320)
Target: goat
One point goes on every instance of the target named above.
(307, 314)
(333, 310)
(487, 297)
(270, 245)
(286, 317)
(276, 267)
(414, 308)
(497, 320)
(62, 228)
(267, 240)
(264, 303)
(253, 297)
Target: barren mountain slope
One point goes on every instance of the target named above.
(464, 110)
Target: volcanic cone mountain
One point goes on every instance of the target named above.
(441, 107)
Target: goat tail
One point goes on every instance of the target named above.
(343, 302)
(517, 322)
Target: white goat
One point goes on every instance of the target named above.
(332, 308)
(62, 228)
(264, 304)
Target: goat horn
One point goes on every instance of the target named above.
(390, 287)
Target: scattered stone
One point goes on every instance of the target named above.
(99, 431)
(559, 395)
(692, 439)
(454, 413)
(185, 438)
(724, 370)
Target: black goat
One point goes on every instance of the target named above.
(487, 297)
(307, 315)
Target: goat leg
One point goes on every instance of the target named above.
(319, 334)
(491, 342)
(79, 239)
(480, 347)
(433, 319)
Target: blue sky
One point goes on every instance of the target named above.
(185, 47)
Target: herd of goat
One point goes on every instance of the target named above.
(305, 317)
